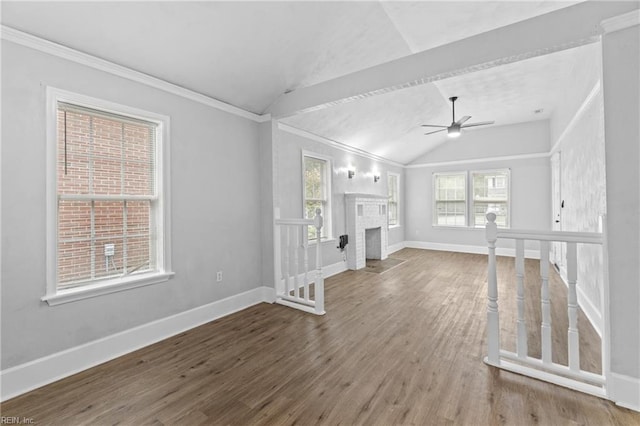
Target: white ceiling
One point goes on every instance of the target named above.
(388, 125)
(247, 54)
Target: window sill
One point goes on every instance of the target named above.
(330, 240)
(395, 226)
(105, 287)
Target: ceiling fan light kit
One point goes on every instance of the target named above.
(455, 128)
(453, 131)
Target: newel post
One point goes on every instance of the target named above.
(493, 324)
(318, 221)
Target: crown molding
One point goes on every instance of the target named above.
(621, 22)
(55, 49)
(481, 160)
(338, 145)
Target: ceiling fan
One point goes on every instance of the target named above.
(454, 129)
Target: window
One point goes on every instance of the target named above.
(317, 191)
(394, 198)
(491, 193)
(450, 194)
(108, 198)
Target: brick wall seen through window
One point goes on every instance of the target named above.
(105, 187)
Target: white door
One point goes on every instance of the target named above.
(557, 249)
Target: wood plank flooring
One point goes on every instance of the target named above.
(403, 347)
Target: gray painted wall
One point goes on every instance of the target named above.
(215, 195)
(289, 148)
(530, 181)
(582, 187)
(493, 141)
(265, 132)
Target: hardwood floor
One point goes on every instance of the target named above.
(403, 347)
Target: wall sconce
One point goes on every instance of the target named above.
(351, 173)
(376, 178)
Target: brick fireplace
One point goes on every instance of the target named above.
(367, 228)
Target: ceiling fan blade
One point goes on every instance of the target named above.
(482, 123)
(463, 119)
(433, 125)
(437, 131)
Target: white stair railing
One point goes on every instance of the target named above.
(520, 362)
(293, 278)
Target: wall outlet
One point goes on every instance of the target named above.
(219, 276)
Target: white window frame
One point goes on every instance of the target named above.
(469, 201)
(507, 171)
(326, 215)
(397, 176)
(161, 212)
(434, 205)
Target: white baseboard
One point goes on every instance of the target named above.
(34, 374)
(625, 391)
(334, 269)
(462, 248)
(396, 247)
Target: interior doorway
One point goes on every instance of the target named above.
(557, 249)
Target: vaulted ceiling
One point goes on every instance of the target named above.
(248, 54)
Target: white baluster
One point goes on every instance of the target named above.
(286, 268)
(305, 245)
(545, 328)
(493, 323)
(319, 282)
(521, 339)
(277, 253)
(572, 304)
(296, 262)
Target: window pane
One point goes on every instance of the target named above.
(315, 191)
(108, 264)
(106, 178)
(139, 257)
(500, 209)
(138, 217)
(491, 194)
(450, 208)
(392, 183)
(393, 186)
(310, 209)
(104, 154)
(138, 167)
(139, 238)
(393, 214)
(101, 155)
(74, 241)
(314, 177)
(73, 153)
(109, 235)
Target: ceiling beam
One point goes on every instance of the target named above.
(558, 30)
